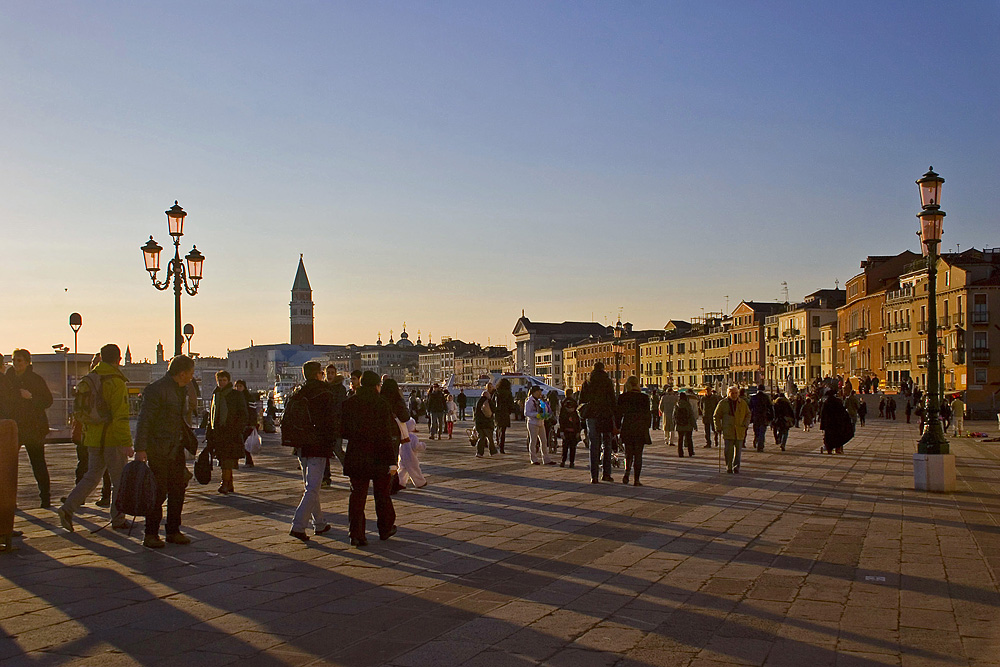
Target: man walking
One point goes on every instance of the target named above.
(761, 414)
(462, 401)
(339, 391)
(436, 406)
(161, 436)
(598, 394)
(107, 438)
(313, 443)
(667, 404)
(732, 417)
(372, 434)
(709, 402)
(30, 399)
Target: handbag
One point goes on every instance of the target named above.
(252, 445)
(203, 466)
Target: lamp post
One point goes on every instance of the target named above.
(75, 322)
(175, 268)
(59, 348)
(189, 333)
(933, 440)
(617, 345)
(772, 373)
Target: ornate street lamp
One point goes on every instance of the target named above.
(617, 345)
(182, 278)
(189, 334)
(933, 440)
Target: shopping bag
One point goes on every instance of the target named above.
(253, 443)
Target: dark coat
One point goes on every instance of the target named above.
(29, 413)
(320, 404)
(227, 439)
(6, 396)
(505, 406)
(761, 409)
(436, 401)
(569, 420)
(339, 392)
(484, 423)
(371, 434)
(598, 394)
(633, 418)
(684, 415)
(784, 413)
(161, 431)
(835, 423)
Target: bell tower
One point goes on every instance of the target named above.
(301, 308)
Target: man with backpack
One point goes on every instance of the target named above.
(161, 436)
(309, 426)
(101, 405)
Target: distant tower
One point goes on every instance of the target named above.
(159, 353)
(301, 308)
(128, 355)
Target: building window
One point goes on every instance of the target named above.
(981, 376)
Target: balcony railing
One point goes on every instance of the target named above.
(857, 334)
(905, 293)
(958, 319)
(944, 321)
(958, 357)
(788, 333)
(922, 360)
(981, 354)
(922, 326)
(981, 317)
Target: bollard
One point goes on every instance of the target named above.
(8, 481)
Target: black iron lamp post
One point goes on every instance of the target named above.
(933, 440)
(617, 345)
(75, 323)
(186, 279)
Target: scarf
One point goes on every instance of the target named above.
(219, 409)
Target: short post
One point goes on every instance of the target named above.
(8, 482)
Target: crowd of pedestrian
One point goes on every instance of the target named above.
(380, 428)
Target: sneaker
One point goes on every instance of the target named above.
(636, 483)
(65, 518)
(178, 538)
(359, 542)
(153, 542)
(324, 529)
(392, 531)
(299, 536)
(607, 478)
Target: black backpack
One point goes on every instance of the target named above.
(137, 489)
(297, 426)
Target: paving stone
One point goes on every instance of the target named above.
(801, 560)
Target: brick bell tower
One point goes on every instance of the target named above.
(301, 308)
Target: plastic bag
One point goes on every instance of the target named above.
(253, 443)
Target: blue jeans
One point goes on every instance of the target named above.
(759, 433)
(312, 477)
(600, 442)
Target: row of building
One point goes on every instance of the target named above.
(875, 327)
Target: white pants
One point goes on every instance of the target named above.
(409, 466)
(959, 423)
(312, 477)
(536, 437)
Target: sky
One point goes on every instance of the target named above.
(448, 164)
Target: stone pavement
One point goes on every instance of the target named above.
(801, 560)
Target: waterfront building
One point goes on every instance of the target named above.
(747, 349)
(529, 336)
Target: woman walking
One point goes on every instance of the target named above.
(685, 423)
(241, 388)
(836, 424)
(534, 412)
(633, 423)
(227, 419)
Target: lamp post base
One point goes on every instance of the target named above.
(934, 472)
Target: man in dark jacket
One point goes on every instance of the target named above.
(436, 405)
(598, 395)
(709, 402)
(161, 436)
(336, 383)
(462, 401)
(30, 398)
(761, 414)
(371, 433)
(313, 449)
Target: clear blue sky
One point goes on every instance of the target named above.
(449, 164)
